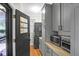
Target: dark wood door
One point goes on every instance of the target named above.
(22, 34)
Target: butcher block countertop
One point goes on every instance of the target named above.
(58, 50)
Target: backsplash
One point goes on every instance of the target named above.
(62, 33)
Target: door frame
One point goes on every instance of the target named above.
(8, 28)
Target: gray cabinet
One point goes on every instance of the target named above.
(54, 54)
(67, 14)
(42, 46)
(48, 51)
(67, 17)
(62, 15)
(55, 16)
(51, 52)
(46, 21)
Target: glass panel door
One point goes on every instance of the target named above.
(3, 50)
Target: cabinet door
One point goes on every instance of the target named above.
(48, 51)
(40, 45)
(51, 52)
(67, 14)
(54, 54)
(43, 48)
(55, 16)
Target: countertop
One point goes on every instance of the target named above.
(58, 50)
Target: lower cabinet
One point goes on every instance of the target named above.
(51, 53)
(48, 51)
(54, 54)
(42, 47)
(45, 50)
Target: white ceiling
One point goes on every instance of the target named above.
(30, 5)
(27, 9)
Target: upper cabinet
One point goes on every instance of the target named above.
(62, 14)
(46, 21)
(55, 16)
(67, 14)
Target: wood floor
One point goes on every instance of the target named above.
(34, 52)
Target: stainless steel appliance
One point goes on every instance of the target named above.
(65, 43)
(55, 38)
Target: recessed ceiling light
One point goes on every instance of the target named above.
(35, 9)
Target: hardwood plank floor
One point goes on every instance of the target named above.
(34, 52)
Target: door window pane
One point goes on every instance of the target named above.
(23, 20)
(23, 25)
